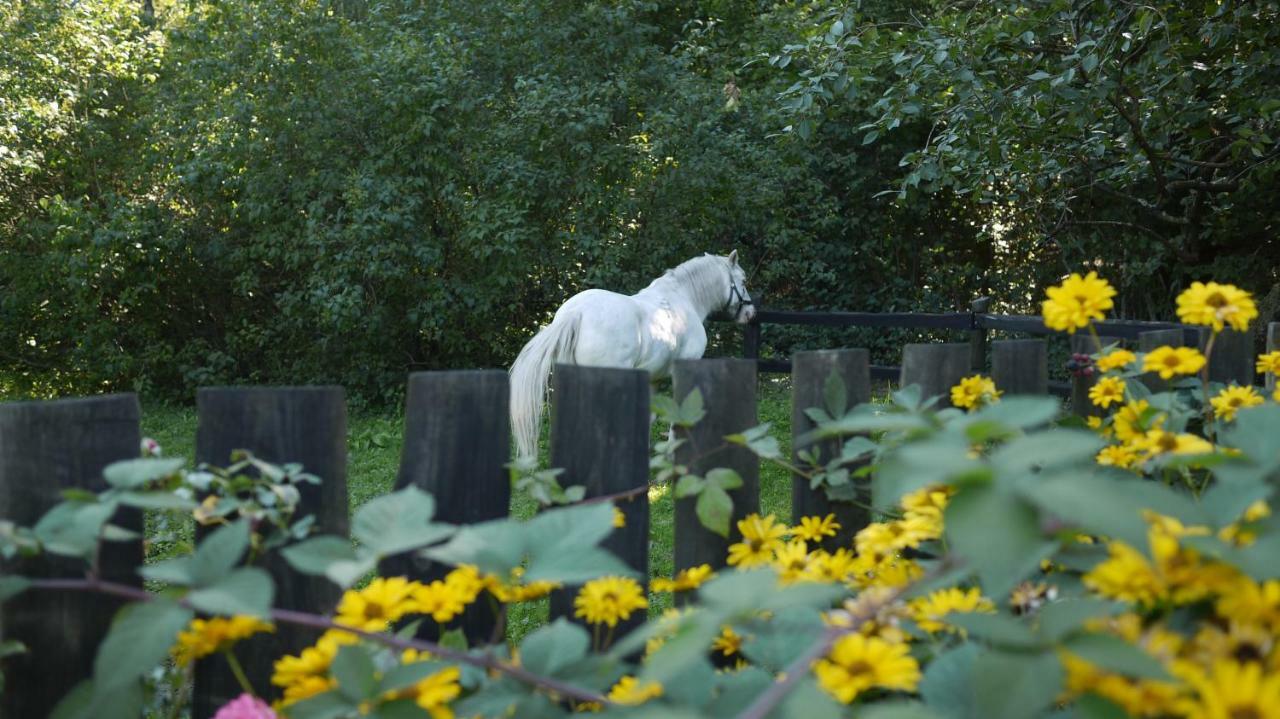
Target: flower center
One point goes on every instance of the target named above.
(1245, 712)
(1172, 361)
(1216, 301)
(860, 667)
(374, 611)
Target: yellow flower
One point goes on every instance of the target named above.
(1134, 419)
(1118, 455)
(1252, 602)
(884, 570)
(857, 663)
(813, 529)
(1233, 690)
(685, 579)
(761, 537)
(307, 674)
(1094, 423)
(889, 537)
(728, 643)
(515, 590)
(203, 637)
(1269, 363)
(830, 567)
(441, 600)
(466, 582)
(927, 502)
(630, 691)
(1158, 441)
(374, 608)
(1230, 400)
(1241, 641)
(1115, 359)
(608, 600)
(791, 560)
(1216, 305)
(619, 519)
(1077, 301)
(1108, 391)
(1169, 361)
(929, 611)
(1239, 533)
(434, 692)
(974, 392)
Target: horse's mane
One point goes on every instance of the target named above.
(702, 278)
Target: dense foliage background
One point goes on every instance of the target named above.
(295, 191)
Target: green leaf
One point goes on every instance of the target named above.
(77, 704)
(897, 710)
(1016, 686)
(247, 590)
(808, 701)
(724, 478)
(563, 544)
(11, 647)
(132, 473)
(1063, 617)
(11, 585)
(998, 534)
(406, 675)
(356, 673)
(1116, 655)
(138, 641)
(835, 394)
(219, 552)
(553, 647)
(948, 683)
(72, 528)
(998, 629)
(1020, 411)
(1046, 450)
(1227, 500)
(714, 509)
(692, 409)
(329, 705)
(329, 556)
(156, 500)
(398, 522)
(1110, 505)
(689, 485)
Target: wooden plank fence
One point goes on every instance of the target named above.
(455, 447)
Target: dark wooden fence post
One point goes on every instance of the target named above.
(307, 425)
(1273, 344)
(600, 438)
(936, 368)
(978, 336)
(1148, 341)
(1020, 366)
(457, 441)
(728, 388)
(1231, 359)
(1082, 343)
(809, 372)
(46, 447)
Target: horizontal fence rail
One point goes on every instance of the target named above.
(1231, 362)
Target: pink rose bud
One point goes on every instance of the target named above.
(245, 706)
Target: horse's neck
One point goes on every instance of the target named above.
(668, 288)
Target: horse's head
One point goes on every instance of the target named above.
(738, 301)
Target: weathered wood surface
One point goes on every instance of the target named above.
(810, 378)
(306, 425)
(728, 388)
(46, 447)
(936, 368)
(456, 448)
(1020, 366)
(600, 438)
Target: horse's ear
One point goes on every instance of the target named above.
(733, 257)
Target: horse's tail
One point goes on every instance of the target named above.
(557, 341)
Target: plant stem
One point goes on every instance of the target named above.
(288, 616)
(238, 671)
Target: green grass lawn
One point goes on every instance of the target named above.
(374, 442)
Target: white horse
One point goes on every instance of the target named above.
(648, 330)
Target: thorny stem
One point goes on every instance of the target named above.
(287, 616)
